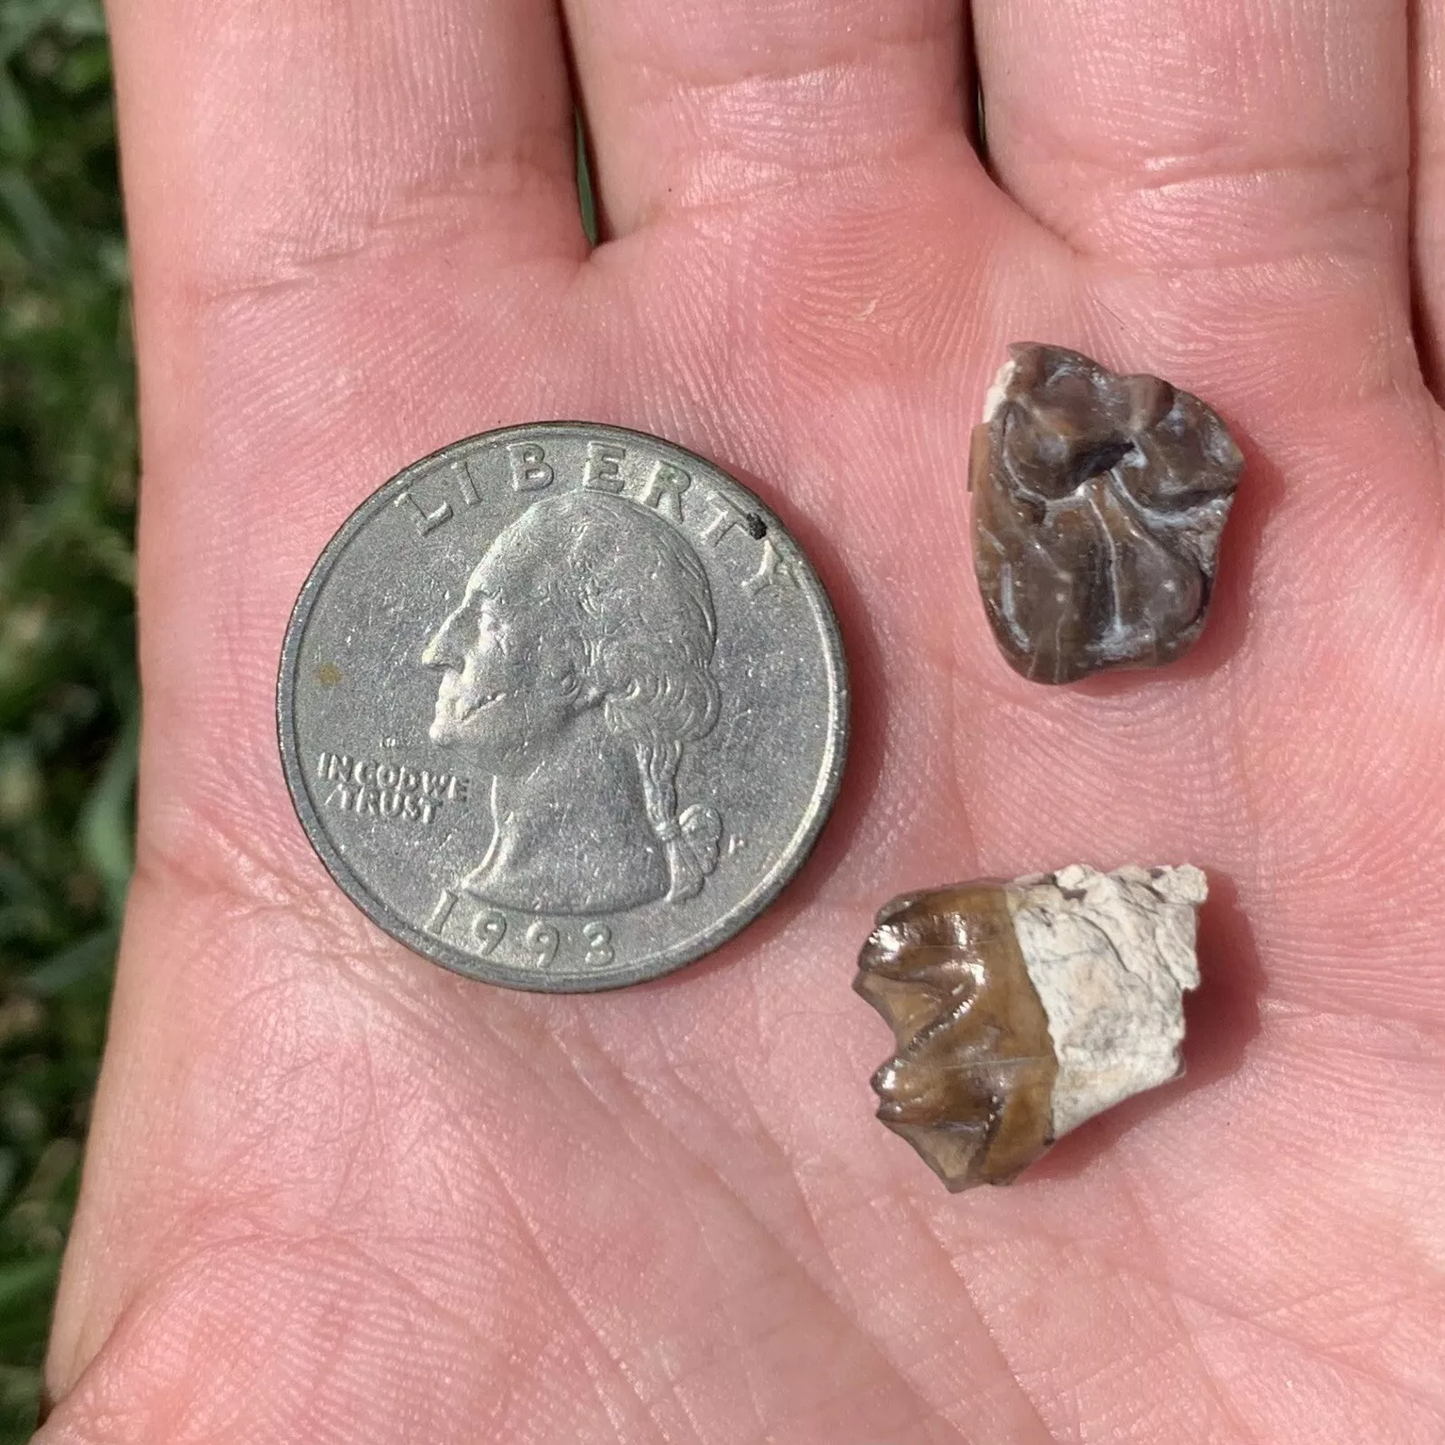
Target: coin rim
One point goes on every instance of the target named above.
(435, 950)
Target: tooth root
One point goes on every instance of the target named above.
(1022, 1009)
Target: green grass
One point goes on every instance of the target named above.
(68, 694)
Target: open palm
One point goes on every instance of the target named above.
(335, 1194)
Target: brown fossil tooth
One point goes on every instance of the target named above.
(1021, 1009)
(1098, 503)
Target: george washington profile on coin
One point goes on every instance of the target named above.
(576, 671)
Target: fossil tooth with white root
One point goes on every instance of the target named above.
(1022, 1009)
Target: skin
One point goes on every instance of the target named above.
(336, 1194)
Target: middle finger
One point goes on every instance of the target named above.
(692, 103)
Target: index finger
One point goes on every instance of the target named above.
(272, 140)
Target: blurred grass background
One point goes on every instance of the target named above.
(68, 697)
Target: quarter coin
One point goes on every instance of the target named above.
(562, 707)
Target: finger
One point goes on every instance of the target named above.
(307, 184)
(1155, 133)
(274, 140)
(691, 103)
(1427, 220)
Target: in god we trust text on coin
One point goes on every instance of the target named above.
(562, 707)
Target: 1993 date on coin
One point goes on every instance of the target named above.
(562, 707)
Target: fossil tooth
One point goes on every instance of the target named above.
(1098, 505)
(1022, 1009)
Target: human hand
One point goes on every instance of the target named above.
(336, 1194)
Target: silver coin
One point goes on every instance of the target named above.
(562, 707)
